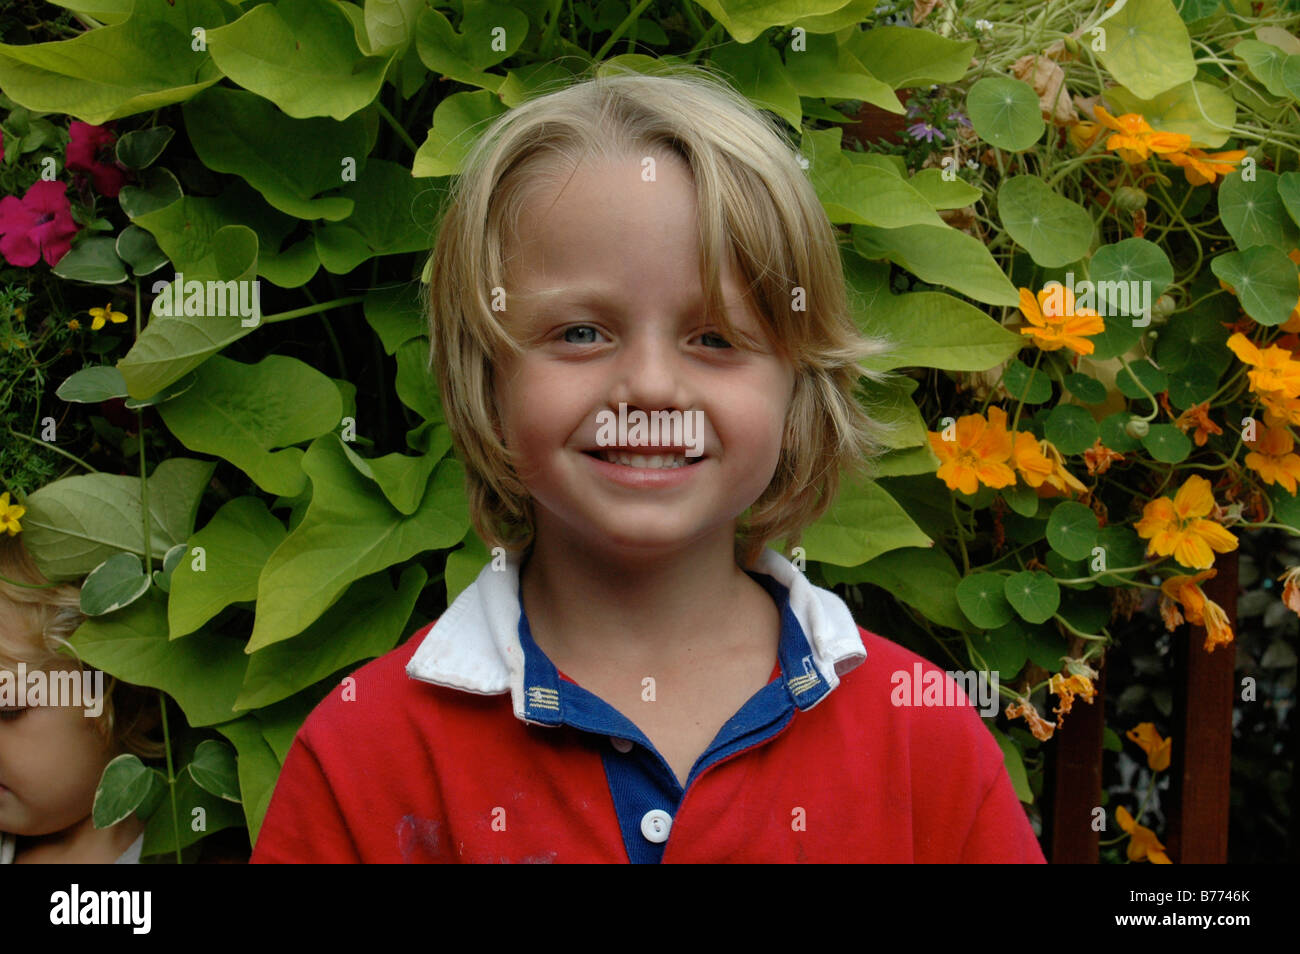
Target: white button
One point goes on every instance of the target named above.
(655, 825)
(623, 745)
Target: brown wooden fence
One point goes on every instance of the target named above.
(1200, 767)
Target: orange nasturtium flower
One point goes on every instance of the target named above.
(1029, 460)
(1067, 687)
(1083, 134)
(1149, 741)
(1143, 843)
(1179, 526)
(1202, 168)
(1060, 481)
(105, 314)
(1276, 370)
(1040, 727)
(1272, 458)
(978, 455)
(1054, 322)
(1291, 588)
(1199, 609)
(9, 514)
(1135, 140)
(1099, 457)
(1197, 417)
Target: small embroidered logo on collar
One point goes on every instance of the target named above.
(541, 697)
(801, 684)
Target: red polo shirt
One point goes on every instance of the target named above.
(466, 745)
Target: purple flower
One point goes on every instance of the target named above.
(924, 131)
(959, 118)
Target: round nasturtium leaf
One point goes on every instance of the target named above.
(1021, 499)
(1005, 112)
(1025, 384)
(1033, 594)
(1005, 648)
(1152, 378)
(1167, 443)
(1254, 213)
(1064, 569)
(1131, 260)
(1147, 48)
(1072, 530)
(1121, 547)
(1070, 428)
(1086, 388)
(1192, 385)
(982, 598)
(1053, 229)
(1194, 337)
(1264, 279)
(1046, 648)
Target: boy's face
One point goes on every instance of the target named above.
(51, 759)
(630, 328)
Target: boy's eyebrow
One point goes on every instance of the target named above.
(600, 294)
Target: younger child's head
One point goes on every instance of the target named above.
(52, 756)
(649, 241)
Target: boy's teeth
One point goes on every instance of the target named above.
(659, 462)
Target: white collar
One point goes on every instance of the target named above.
(474, 645)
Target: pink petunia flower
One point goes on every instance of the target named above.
(90, 150)
(39, 225)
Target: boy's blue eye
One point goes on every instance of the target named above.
(724, 343)
(586, 328)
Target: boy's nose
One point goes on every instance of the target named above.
(651, 374)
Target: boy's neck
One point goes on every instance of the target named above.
(633, 605)
(80, 843)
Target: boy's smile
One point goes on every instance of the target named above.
(605, 296)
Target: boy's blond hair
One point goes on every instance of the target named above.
(755, 205)
(36, 622)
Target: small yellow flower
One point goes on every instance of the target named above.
(1143, 843)
(1179, 526)
(9, 515)
(105, 314)
(74, 324)
(1067, 687)
(1157, 749)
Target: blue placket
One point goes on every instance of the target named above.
(645, 791)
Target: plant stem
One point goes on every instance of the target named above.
(619, 30)
(171, 774)
(402, 134)
(48, 446)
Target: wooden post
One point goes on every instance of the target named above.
(1201, 763)
(1073, 788)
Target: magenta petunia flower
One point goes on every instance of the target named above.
(90, 150)
(39, 225)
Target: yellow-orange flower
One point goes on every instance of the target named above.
(1272, 458)
(1083, 134)
(1068, 687)
(1135, 140)
(1060, 481)
(1099, 457)
(9, 514)
(1200, 609)
(1143, 845)
(1275, 368)
(1198, 417)
(1179, 527)
(1158, 750)
(1291, 589)
(1202, 168)
(1042, 729)
(978, 455)
(1029, 459)
(1054, 322)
